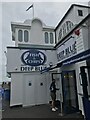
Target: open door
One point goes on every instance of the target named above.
(70, 100)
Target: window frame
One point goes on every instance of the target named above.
(27, 36)
(20, 35)
(46, 36)
(51, 38)
(80, 13)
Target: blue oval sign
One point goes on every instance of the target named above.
(33, 58)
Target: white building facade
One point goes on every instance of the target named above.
(39, 47)
(70, 44)
(33, 51)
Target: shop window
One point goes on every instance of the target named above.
(26, 36)
(80, 13)
(20, 35)
(51, 38)
(46, 37)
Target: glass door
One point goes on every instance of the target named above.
(70, 100)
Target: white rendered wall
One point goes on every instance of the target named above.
(79, 18)
(16, 97)
(22, 94)
(36, 35)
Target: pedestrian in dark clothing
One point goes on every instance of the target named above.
(53, 94)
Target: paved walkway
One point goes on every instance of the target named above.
(40, 111)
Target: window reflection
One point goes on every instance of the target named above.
(26, 36)
(20, 36)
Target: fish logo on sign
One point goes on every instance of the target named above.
(33, 58)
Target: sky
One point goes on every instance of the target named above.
(49, 11)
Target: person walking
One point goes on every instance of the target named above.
(53, 94)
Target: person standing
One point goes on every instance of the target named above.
(53, 94)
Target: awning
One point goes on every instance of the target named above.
(51, 68)
(77, 58)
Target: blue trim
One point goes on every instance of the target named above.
(77, 58)
(45, 70)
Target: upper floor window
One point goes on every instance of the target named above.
(26, 36)
(20, 36)
(69, 25)
(64, 29)
(46, 37)
(51, 38)
(80, 13)
(60, 34)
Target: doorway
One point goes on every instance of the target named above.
(70, 99)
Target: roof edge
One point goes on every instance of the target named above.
(69, 11)
(81, 22)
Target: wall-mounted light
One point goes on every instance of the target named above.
(50, 64)
(84, 25)
(5, 53)
(16, 68)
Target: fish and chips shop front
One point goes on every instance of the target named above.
(32, 64)
(29, 86)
